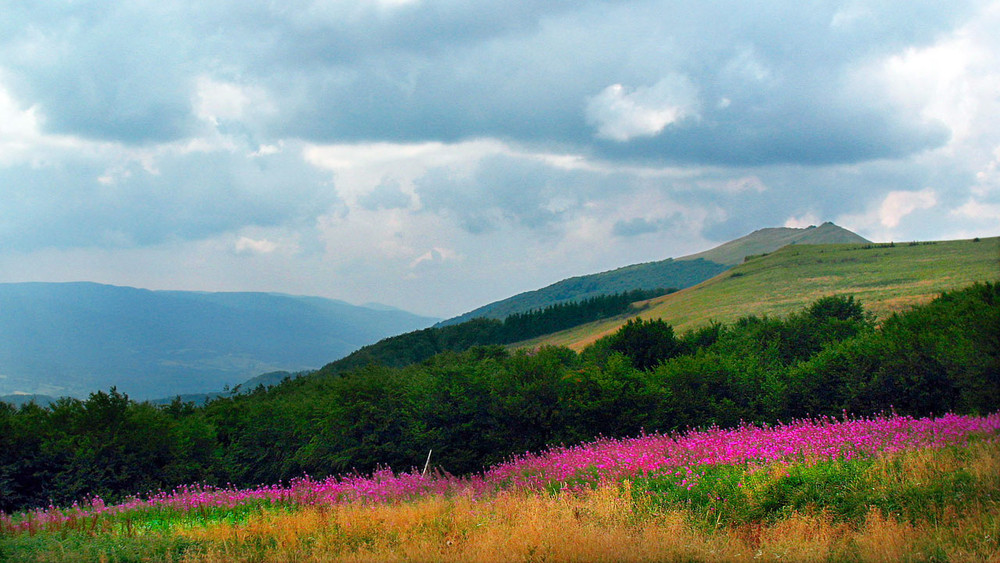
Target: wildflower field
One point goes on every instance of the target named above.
(854, 489)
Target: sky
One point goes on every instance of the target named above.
(438, 155)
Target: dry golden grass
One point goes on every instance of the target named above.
(942, 505)
(597, 527)
(610, 524)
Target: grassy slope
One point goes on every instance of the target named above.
(770, 240)
(680, 273)
(884, 279)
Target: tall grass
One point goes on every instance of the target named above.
(907, 507)
(880, 489)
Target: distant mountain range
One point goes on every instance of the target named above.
(671, 273)
(75, 338)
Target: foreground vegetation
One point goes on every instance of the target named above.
(878, 489)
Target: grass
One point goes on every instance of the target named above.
(927, 504)
(884, 278)
(922, 505)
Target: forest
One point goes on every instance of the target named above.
(419, 345)
(479, 406)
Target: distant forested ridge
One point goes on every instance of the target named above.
(649, 276)
(419, 345)
(71, 338)
(484, 404)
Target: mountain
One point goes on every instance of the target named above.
(265, 379)
(76, 338)
(23, 398)
(885, 278)
(665, 274)
(768, 240)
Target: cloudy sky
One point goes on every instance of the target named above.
(438, 155)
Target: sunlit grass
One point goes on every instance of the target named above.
(887, 518)
(885, 279)
(883, 489)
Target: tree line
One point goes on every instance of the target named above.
(483, 404)
(419, 345)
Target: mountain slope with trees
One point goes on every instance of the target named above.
(670, 273)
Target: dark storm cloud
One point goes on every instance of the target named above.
(102, 70)
(770, 79)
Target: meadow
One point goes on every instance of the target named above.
(886, 278)
(882, 488)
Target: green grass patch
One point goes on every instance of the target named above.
(83, 546)
(911, 487)
(142, 534)
(885, 279)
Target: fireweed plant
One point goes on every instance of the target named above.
(690, 467)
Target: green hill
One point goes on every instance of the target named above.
(769, 240)
(670, 273)
(885, 278)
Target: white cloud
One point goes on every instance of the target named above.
(802, 221)
(745, 184)
(988, 178)
(22, 138)
(16, 125)
(435, 255)
(620, 113)
(899, 204)
(850, 14)
(886, 218)
(265, 150)
(361, 168)
(978, 210)
(253, 246)
(217, 101)
(954, 80)
(391, 4)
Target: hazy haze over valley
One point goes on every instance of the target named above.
(77, 338)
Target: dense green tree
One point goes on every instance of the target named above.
(646, 343)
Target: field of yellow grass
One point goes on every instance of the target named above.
(615, 523)
(604, 525)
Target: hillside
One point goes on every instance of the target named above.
(76, 338)
(670, 273)
(771, 239)
(885, 278)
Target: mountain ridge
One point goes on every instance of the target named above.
(73, 338)
(671, 273)
(770, 239)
